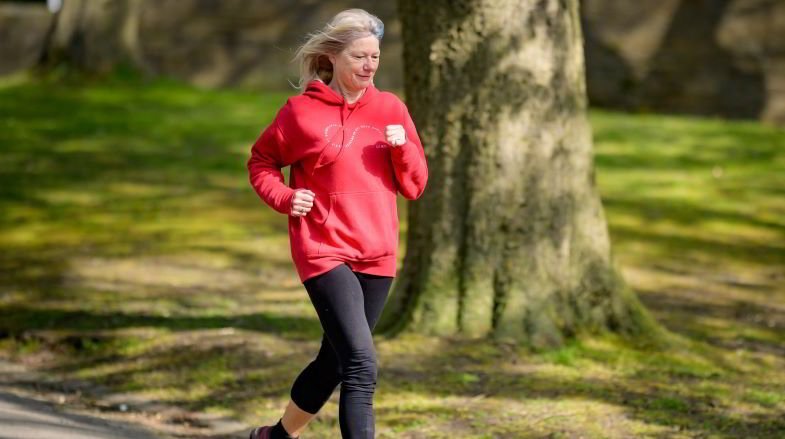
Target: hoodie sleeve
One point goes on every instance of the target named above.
(268, 156)
(411, 167)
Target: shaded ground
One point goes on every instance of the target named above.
(27, 418)
(136, 257)
(35, 404)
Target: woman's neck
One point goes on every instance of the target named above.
(349, 96)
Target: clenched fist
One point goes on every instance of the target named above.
(395, 134)
(302, 201)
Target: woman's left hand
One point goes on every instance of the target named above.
(396, 136)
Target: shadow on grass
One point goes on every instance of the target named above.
(692, 245)
(736, 325)
(666, 394)
(20, 319)
(687, 213)
(658, 396)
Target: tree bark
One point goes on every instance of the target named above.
(509, 240)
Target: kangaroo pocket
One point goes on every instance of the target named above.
(360, 225)
(306, 232)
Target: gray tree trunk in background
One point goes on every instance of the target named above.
(509, 240)
(96, 35)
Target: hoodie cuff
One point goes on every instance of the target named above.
(284, 204)
(402, 153)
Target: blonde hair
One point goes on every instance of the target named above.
(341, 30)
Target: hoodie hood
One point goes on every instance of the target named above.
(317, 89)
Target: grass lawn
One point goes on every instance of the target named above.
(135, 254)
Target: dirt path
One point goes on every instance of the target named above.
(23, 417)
(38, 405)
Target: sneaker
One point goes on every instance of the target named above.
(261, 432)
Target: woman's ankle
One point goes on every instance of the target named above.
(279, 432)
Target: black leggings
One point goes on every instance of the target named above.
(348, 304)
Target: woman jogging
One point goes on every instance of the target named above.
(351, 148)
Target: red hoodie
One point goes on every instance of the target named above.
(339, 152)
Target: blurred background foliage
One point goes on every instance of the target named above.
(712, 57)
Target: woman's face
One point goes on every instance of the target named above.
(355, 66)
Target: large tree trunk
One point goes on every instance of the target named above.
(509, 239)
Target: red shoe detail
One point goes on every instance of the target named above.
(261, 432)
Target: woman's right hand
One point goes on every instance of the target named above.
(302, 201)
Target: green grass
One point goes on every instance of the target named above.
(136, 255)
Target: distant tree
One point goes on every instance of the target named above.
(95, 36)
(509, 240)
